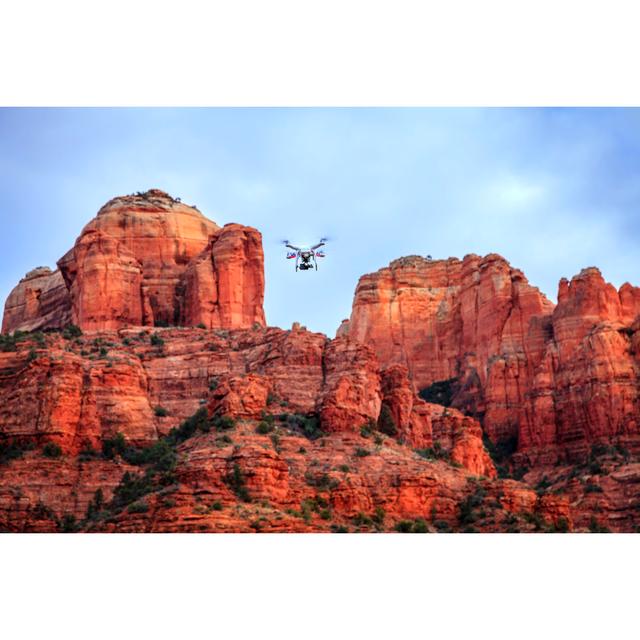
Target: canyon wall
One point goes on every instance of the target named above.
(554, 378)
(147, 260)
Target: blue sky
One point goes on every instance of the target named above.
(553, 190)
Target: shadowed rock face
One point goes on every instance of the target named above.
(40, 300)
(147, 260)
(555, 378)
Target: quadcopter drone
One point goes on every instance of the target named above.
(305, 256)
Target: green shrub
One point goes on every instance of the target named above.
(420, 526)
(236, 482)
(199, 421)
(467, 507)
(308, 425)
(9, 342)
(131, 489)
(161, 455)
(338, 528)
(591, 487)
(536, 520)
(361, 453)
(68, 524)
(366, 430)
(138, 507)
(51, 450)
(560, 526)
(156, 340)
(224, 423)
(216, 506)
(595, 468)
(378, 516)
(201, 325)
(160, 412)
(12, 450)
(96, 505)
(542, 486)
(71, 331)
(413, 526)
(436, 452)
(344, 468)
(321, 481)
(442, 526)
(404, 526)
(596, 527)
(264, 427)
(114, 446)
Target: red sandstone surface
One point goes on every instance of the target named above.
(554, 379)
(146, 260)
(527, 419)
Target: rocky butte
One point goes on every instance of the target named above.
(141, 390)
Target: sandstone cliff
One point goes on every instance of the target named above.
(553, 379)
(147, 260)
(455, 398)
(40, 300)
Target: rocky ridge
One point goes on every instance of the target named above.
(455, 398)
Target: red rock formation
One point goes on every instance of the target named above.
(105, 283)
(352, 394)
(40, 300)
(149, 233)
(555, 379)
(559, 379)
(74, 401)
(146, 260)
(423, 425)
(240, 396)
(79, 392)
(223, 285)
(586, 388)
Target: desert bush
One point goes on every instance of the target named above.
(264, 427)
(71, 331)
(236, 482)
(138, 507)
(51, 450)
(156, 340)
(114, 446)
(12, 450)
(68, 524)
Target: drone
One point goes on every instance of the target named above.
(305, 256)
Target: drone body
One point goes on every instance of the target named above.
(305, 257)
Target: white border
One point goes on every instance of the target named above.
(347, 52)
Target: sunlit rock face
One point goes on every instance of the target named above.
(147, 260)
(553, 378)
